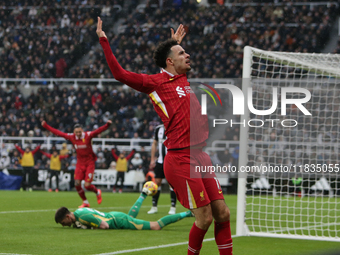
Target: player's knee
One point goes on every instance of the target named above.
(226, 214)
(204, 222)
(87, 185)
(204, 216)
(154, 225)
(208, 220)
(204, 219)
(76, 183)
(223, 214)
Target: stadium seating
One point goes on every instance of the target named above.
(215, 42)
(216, 36)
(65, 33)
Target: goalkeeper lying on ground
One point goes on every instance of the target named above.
(90, 218)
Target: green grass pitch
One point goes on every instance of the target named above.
(315, 216)
(28, 227)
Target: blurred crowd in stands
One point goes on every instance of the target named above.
(217, 34)
(337, 50)
(43, 39)
(131, 112)
(215, 40)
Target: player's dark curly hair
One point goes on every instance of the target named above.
(162, 52)
(61, 214)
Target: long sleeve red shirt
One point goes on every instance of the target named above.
(172, 98)
(83, 145)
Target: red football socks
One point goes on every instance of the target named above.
(223, 238)
(92, 188)
(196, 237)
(81, 192)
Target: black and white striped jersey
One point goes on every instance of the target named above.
(160, 137)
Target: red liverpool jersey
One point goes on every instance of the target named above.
(173, 100)
(83, 145)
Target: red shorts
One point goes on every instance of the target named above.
(193, 189)
(85, 172)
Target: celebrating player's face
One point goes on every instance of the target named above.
(78, 131)
(180, 59)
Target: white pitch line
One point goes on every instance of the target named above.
(12, 254)
(72, 209)
(26, 211)
(150, 248)
(155, 247)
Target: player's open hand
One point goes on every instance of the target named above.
(179, 35)
(109, 122)
(43, 123)
(99, 31)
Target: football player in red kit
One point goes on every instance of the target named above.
(86, 158)
(186, 132)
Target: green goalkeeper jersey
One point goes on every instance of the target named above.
(116, 220)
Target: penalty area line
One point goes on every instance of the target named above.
(155, 247)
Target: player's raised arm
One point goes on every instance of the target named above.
(101, 129)
(131, 154)
(99, 30)
(19, 149)
(179, 35)
(63, 156)
(131, 79)
(36, 149)
(46, 154)
(54, 131)
(113, 152)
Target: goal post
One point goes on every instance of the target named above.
(289, 161)
(241, 185)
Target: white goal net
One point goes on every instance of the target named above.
(291, 186)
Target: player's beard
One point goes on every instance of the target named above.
(188, 68)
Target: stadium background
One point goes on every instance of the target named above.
(49, 53)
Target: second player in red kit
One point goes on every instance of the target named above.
(86, 158)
